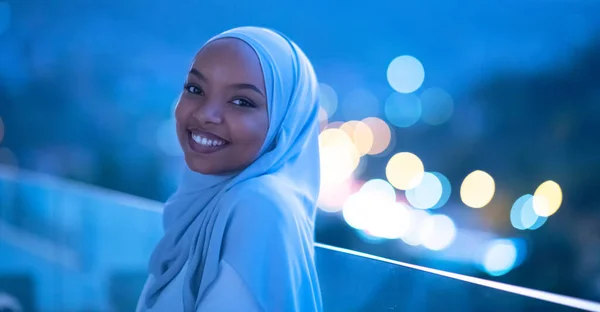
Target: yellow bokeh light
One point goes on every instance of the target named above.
(404, 171)
(477, 189)
(363, 138)
(361, 135)
(381, 135)
(339, 156)
(348, 127)
(547, 199)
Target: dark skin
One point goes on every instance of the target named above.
(222, 117)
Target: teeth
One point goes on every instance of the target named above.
(206, 142)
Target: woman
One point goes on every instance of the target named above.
(239, 229)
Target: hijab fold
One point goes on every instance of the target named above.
(197, 216)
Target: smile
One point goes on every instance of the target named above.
(205, 143)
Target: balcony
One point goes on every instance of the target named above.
(67, 246)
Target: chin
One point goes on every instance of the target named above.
(201, 166)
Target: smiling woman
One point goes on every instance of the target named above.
(241, 221)
(222, 117)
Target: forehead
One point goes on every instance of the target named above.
(230, 59)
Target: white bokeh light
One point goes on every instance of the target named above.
(500, 257)
(437, 232)
(356, 212)
(405, 74)
(427, 194)
(339, 156)
(388, 220)
(523, 216)
(379, 189)
(411, 236)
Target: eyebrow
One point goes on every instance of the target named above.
(239, 86)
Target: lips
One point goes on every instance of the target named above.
(205, 134)
(204, 142)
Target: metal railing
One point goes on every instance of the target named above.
(68, 246)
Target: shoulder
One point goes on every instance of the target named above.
(264, 209)
(265, 198)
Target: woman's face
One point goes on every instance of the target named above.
(222, 117)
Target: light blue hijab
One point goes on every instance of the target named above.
(265, 212)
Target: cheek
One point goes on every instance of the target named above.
(180, 110)
(251, 131)
(183, 111)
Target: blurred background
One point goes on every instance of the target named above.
(461, 136)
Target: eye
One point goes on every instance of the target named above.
(243, 103)
(193, 89)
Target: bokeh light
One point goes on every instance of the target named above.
(500, 257)
(374, 210)
(412, 235)
(547, 199)
(4, 16)
(446, 190)
(402, 110)
(523, 216)
(381, 134)
(477, 189)
(328, 99)
(1, 129)
(379, 189)
(355, 211)
(323, 118)
(339, 156)
(427, 194)
(539, 222)
(361, 135)
(363, 138)
(332, 197)
(391, 220)
(386, 218)
(516, 212)
(348, 127)
(404, 170)
(334, 125)
(405, 74)
(437, 106)
(166, 138)
(437, 232)
(360, 103)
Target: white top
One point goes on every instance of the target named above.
(228, 293)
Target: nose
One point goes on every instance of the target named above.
(209, 112)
